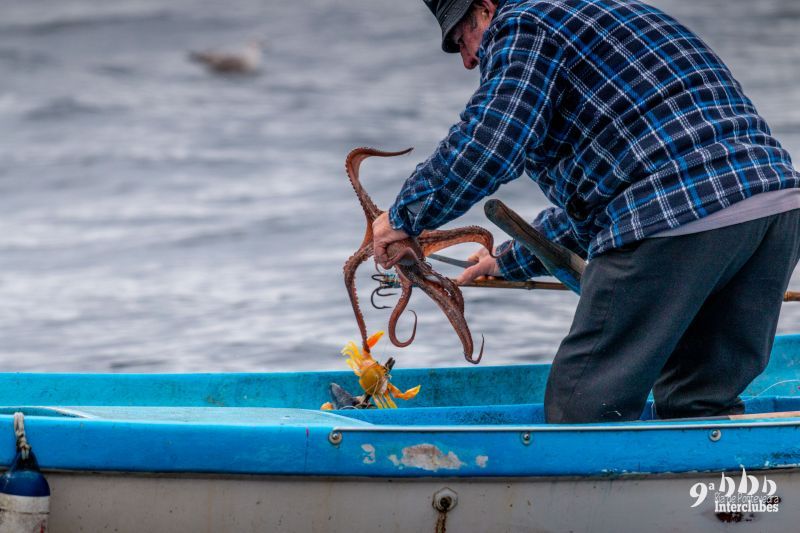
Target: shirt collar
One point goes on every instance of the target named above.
(481, 48)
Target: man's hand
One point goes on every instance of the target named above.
(383, 234)
(486, 267)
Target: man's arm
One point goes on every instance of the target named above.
(505, 119)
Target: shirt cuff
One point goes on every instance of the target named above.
(516, 263)
(399, 219)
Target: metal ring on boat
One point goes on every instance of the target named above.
(445, 500)
(335, 437)
(715, 435)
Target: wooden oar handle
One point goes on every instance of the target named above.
(560, 262)
(748, 416)
(525, 285)
(790, 296)
(777, 414)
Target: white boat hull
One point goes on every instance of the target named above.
(156, 503)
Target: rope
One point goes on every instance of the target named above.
(776, 384)
(19, 430)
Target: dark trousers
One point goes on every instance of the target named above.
(691, 317)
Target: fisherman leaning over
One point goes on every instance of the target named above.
(662, 174)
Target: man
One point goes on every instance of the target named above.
(662, 174)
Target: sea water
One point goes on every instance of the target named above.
(155, 217)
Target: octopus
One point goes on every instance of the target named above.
(407, 257)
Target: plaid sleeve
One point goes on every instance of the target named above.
(506, 117)
(518, 264)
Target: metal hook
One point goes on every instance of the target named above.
(385, 281)
(377, 292)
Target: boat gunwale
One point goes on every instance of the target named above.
(543, 428)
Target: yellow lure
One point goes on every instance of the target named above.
(373, 377)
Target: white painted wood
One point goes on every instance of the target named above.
(153, 504)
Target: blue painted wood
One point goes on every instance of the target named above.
(269, 424)
(143, 446)
(307, 390)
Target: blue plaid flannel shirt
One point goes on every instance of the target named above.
(627, 121)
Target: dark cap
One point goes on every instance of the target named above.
(448, 13)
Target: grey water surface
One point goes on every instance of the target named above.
(154, 217)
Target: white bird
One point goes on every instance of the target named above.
(245, 61)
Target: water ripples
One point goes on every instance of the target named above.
(157, 218)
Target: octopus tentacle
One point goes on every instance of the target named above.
(480, 353)
(406, 252)
(433, 241)
(445, 300)
(451, 290)
(350, 267)
(352, 165)
(448, 286)
(405, 296)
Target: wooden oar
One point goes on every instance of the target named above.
(789, 296)
(561, 263)
(388, 282)
(749, 416)
(776, 414)
(524, 285)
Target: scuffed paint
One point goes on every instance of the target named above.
(481, 460)
(427, 457)
(369, 454)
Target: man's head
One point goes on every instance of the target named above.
(463, 24)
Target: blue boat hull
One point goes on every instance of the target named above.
(270, 424)
(97, 434)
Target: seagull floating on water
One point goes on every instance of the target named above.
(245, 61)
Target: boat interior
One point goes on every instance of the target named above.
(474, 395)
